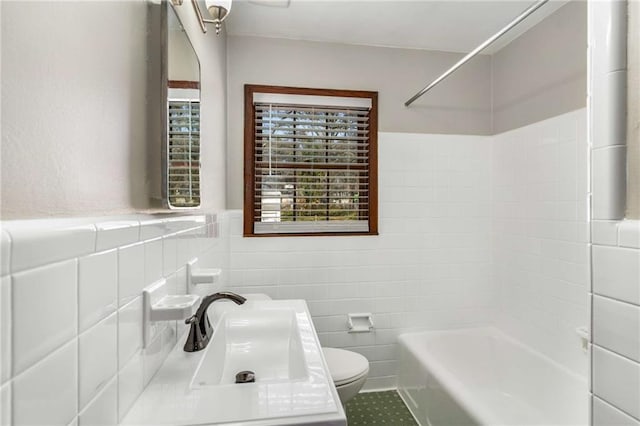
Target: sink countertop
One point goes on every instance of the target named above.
(169, 399)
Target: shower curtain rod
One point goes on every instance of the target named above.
(477, 50)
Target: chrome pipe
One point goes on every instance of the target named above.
(477, 50)
(201, 21)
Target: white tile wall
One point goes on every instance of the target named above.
(131, 263)
(116, 233)
(541, 235)
(47, 393)
(103, 410)
(616, 326)
(616, 273)
(5, 404)
(71, 304)
(97, 287)
(609, 165)
(130, 384)
(616, 379)
(615, 256)
(629, 234)
(130, 330)
(430, 267)
(47, 244)
(5, 253)
(606, 414)
(97, 357)
(5, 328)
(45, 311)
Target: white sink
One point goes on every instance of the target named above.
(265, 342)
(276, 340)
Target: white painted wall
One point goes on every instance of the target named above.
(74, 108)
(542, 73)
(60, 62)
(460, 106)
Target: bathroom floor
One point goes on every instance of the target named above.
(378, 408)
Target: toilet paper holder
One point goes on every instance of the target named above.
(360, 322)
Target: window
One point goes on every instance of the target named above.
(310, 161)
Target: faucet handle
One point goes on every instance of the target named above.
(192, 319)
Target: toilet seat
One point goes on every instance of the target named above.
(345, 366)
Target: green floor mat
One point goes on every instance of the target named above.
(378, 408)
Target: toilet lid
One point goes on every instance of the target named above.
(345, 366)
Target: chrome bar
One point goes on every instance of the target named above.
(477, 50)
(201, 21)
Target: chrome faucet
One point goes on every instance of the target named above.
(201, 329)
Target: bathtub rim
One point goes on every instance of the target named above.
(456, 389)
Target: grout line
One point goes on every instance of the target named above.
(616, 300)
(611, 351)
(614, 407)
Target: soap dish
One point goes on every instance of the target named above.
(162, 306)
(174, 307)
(198, 275)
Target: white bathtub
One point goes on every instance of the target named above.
(480, 376)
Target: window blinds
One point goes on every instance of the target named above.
(311, 168)
(183, 154)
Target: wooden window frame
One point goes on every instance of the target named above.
(249, 156)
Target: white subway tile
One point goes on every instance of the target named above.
(103, 410)
(181, 281)
(47, 393)
(5, 253)
(152, 261)
(616, 379)
(616, 326)
(616, 40)
(152, 228)
(5, 328)
(116, 233)
(604, 232)
(97, 287)
(47, 297)
(129, 330)
(182, 222)
(38, 242)
(130, 384)
(605, 414)
(609, 106)
(169, 255)
(130, 272)
(609, 183)
(5, 404)
(616, 273)
(380, 383)
(629, 233)
(98, 358)
(152, 358)
(169, 339)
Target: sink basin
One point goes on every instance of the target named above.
(265, 342)
(274, 339)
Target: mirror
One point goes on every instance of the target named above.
(173, 111)
(182, 147)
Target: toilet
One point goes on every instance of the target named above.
(349, 371)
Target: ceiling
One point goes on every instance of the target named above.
(453, 25)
